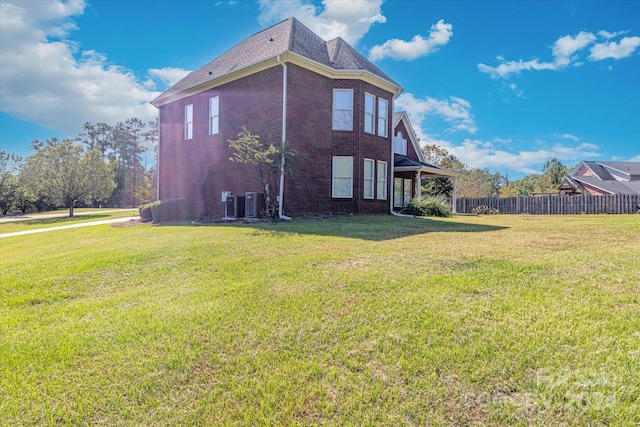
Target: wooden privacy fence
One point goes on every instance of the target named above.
(548, 204)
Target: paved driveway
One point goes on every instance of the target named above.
(62, 227)
(54, 215)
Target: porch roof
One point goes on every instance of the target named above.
(404, 164)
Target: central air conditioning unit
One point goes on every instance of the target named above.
(235, 207)
(254, 205)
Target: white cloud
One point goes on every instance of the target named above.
(417, 47)
(569, 136)
(455, 111)
(168, 76)
(482, 154)
(608, 35)
(46, 78)
(338, 18)
(565, 51)
(565, 47)
(507, 68)
(614, 50)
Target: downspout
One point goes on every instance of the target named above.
(284, 137)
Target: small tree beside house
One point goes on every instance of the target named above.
(267, 162)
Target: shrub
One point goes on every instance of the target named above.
(173, 210)
(146, 212)
(485, 210)
(437, 206)
(431, 206)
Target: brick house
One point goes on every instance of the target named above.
(324, 99)
(602, 178)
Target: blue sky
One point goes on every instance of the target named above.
(503, 85)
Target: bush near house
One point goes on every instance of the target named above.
(146, 212)
(173, 210)
(429, 206)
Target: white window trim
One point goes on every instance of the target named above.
(334, 110)
(370, 114)
(369, 181)
(383, 120)
(343, 177)
(214, 118)
(381, 180)
(188, 121)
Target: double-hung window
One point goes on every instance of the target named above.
(342, 177)
(369, 182)
(342, 109)
(369, 112)
(382, 180)
(214, 114)
(188, 121)
(383, 106)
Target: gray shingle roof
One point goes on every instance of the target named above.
(288, 35)
(628, 172)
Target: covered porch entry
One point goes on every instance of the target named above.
(407, 177)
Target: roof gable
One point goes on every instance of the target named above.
(401, 116)
(289, 35)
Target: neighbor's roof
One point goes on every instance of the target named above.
(605, 174)
(287, 36)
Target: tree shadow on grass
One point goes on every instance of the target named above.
(364, 227)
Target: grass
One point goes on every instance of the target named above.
(491, 320)
(80, 216)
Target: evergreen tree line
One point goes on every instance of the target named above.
(477, 182)
(104, 166)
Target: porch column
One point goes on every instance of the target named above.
(418, 185)
(455, 195)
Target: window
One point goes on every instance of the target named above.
(400, 144)
(188, 121)
(408, 184)
(368, 179)
(342, 109)
(383, 105)
(214, 114)
(397, 193)
(382, 180)
(369, 112)
(402, 192)
(342, 186)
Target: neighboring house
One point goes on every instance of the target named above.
(324, 99)
(603, 178)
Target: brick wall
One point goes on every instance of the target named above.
(199, 169)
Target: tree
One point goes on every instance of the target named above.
(266, 162)
(479, 183)
(553, 174)
(66, 173)
(440, 157)
(8, 182)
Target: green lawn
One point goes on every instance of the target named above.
(80, 215)
(364, 320)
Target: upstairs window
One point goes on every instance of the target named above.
(188, 121)
(369, 112)
(368, 179)
(342, 109)
(214, 114)
(342, 177)
(400, 144)
(383, 113)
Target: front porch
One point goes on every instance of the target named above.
(407, 178)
